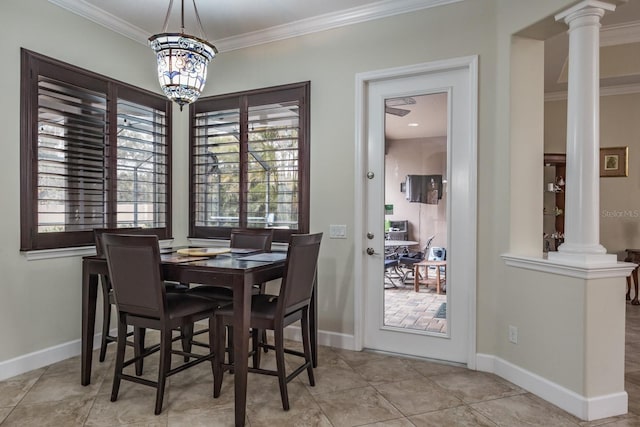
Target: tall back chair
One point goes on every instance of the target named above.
(241, 238)
(143, 302)
(107, 294)
(251, 238)
(275, 312)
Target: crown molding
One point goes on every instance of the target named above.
(604, 91)
(315, 24)
(628, 32)
(107, 20)
(328, 21)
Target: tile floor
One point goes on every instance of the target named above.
(406, 308)
(352, 389)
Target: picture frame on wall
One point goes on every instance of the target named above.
(614, 161)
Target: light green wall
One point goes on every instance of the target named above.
(330, 60)
(40, 304)
(619, 126)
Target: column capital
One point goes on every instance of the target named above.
(585, 8)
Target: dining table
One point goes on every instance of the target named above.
(237, 271)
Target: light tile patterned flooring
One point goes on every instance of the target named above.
(406, 308)
(352, 389)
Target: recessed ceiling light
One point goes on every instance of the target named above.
(413, 125)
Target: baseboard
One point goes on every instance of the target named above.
(48, 356)
(41, 358)
(585, 408)
(326, 338)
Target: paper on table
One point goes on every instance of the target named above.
(180, 258)
(243, 250)
(266, 256)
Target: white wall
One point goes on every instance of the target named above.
(424, 156)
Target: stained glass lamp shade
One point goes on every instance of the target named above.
(182, 65)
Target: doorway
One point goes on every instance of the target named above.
(456, 81)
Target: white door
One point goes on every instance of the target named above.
(456, 80)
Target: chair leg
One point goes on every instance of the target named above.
(219, 348)
(263, 289)
(138, 347)
(106, 318)
(120, 349)
(282, 375)
(230, 343)
(307, 345)
(256, 347)
(187, 337)
(165, 366)
(212, 345)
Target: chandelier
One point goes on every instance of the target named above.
(182, 60)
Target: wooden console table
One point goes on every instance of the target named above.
(426, 264)
(633, 255)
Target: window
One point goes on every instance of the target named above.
(250, 162)
(95, 153)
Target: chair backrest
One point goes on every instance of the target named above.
(427, 246)
(437, 254)
(98, 232)
(251, 238)
(299, 272)
(135, 273)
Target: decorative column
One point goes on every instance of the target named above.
(582, 199)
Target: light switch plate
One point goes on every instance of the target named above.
(337, 231)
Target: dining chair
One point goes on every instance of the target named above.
(142, 301)
(107, 292)
(275, 312)
(241, 238)
(407, 261)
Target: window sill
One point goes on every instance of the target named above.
(614, 269)
(72, 252)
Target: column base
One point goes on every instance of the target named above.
(582, 258)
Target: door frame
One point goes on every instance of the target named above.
(470, 64)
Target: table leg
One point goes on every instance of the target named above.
(89, 296)
(313, 322)
(437, 280)
(416, 277)
(634, 273)
(241, 315)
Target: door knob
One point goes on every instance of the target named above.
(370, 236)
(371, 251)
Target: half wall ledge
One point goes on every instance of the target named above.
(581, 271)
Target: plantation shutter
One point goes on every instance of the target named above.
(95, 153)
(249, 162)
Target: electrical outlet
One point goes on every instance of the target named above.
(513, 334)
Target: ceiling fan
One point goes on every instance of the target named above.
(390, 106)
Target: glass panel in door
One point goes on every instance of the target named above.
(415, 221)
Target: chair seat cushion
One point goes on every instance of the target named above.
(183, 305)
(212, 292)
(217, 292)
(263, 306)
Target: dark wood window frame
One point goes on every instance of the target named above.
(36, 67)
(243, 101)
